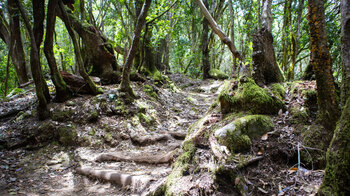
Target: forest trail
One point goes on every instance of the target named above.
(144, 136)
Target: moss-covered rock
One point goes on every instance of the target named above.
(217, 74)
(299, 114)
(238, 134)
(278, 90)
(23, 115)
(249, 97)
(67, 135)
(92, 116)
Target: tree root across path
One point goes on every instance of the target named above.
(150, 159)
(136, 183)
(152, 139)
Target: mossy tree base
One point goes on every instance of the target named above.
(249, 97)
(337, 176)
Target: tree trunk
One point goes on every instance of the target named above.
(205, 48)
(295, 42)
(94, 89)
(265, 66)
(17, 53)
(321, 62)
(98, 51)
(232, 18)
(42, 108)
(345, 48)
(337, 176)
(62, 91)
(125, 85)
(285, 34)
(266, 15)
(217, 29)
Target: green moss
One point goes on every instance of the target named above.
(315, 137)
(150, 91)
(249, 97)
(67, 135)
(15, 91)
(146, 119)
(238, 134)
(299, 114)
(23, 115)
(337, 176)
(61, 115)
(93, 116)
(180, 167)
(278, 90)
(217, 74)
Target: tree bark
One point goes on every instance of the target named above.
(218, 30)
(345, 48)
(328, 110)
(13, 32)
(99, 52)
(62, 91)
(205, 43)
(337, 176)
(94, 89)
(125, 85)
(266, 15)
(295, 42)
(42, 108)
(232, 18)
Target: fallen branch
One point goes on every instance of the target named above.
(137, 183)
(150, 159)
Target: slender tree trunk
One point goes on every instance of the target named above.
(17, 53)
(205, 48)
(94, 89)
(321, 62)
(295, 42)
(285, 34)
(62, 91)
(232, 18)
(42, 108)
(345, 48)
(125, 85)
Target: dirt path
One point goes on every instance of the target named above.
(128, 131)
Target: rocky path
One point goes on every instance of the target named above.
(133, 147)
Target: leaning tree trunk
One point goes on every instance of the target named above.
(99, 52)
(265, 66)
(17, 53)
(42, 108)
(321, 62)
(215, 27)
(93, 88)
(205, 46)
(125, 85)
(345, 48)
(62, 91)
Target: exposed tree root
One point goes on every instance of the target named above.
(244, 164)
(178, 135)
(218, 150)
(155, 189)
(150, 159)
(149, 140)
(136, 183)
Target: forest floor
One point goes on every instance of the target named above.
(152, 128)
